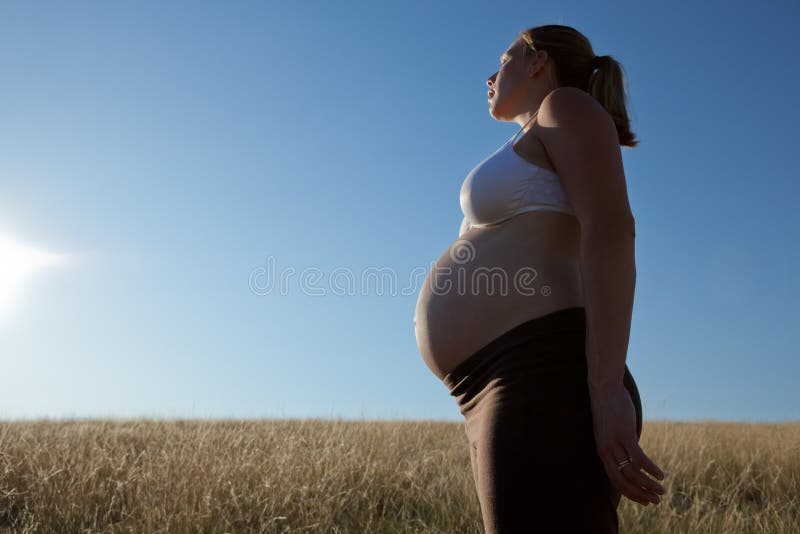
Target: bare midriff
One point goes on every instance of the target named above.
(494, 278)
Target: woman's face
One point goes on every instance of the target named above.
(507, 86)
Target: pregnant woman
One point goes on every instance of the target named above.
(526, 317)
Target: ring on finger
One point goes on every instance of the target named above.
(624, 462)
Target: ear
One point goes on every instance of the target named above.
(541, 59)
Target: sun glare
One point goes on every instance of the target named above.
(17, 263)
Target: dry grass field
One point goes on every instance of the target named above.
(353, 476)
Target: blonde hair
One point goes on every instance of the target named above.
(574, 66)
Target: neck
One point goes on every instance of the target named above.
(533, 100)
(530, 116)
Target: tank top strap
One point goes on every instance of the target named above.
(514, 137)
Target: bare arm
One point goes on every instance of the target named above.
(582, 141)
(609, 279)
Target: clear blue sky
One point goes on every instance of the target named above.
(165, 151)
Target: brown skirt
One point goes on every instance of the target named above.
(525, 400)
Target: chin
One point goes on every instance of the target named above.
(496, 116)
(496, 111)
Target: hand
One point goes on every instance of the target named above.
(614, 418)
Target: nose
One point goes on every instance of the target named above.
(490, 81)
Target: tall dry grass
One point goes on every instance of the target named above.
(353, 476)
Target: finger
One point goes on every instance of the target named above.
(640, 460)
(619, 479)
(638, 477)
(628, 489)
(635, 483)
(646, 463)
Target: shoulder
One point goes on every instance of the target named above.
(582, 142)
(573, 111)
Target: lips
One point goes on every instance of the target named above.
(490, 93)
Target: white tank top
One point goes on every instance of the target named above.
(504, 185)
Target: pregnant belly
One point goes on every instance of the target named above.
(480, 288)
